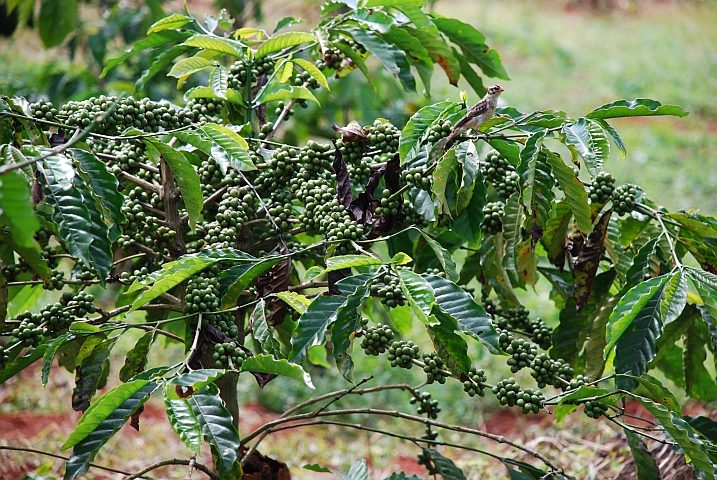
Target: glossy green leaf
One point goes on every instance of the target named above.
(537, 180)
(231, 145)
(575, 194)
(217, 430)
(100, 249)
(153, 40)
(268, 364)
(171, 275)
(50, 353)
(136, 358)
(392, 59)
(472, 44)
(277, 92)
(71, 217)
(101, 421)
(183, 421)
(444, 466)
(348, 322)
(614, 135)
(636, 272)
(450, 346)
(704, 425)
(189, 66)
(650, 387)
(513, 218)
(467, 224)
(681, 432)
(295, 300)
(349, 261)
(160, 62)
(235, 279)
(282, 41)
(357, 60)
(215, 43)
(17, 210)
(170, 22)
(640, 107)
(315, 73)
(311, 329)
(262, 331)
(377, 20)
(185, 175)
(590, 141)
(57, 19)
(284, 71)
(445, 183)
(196, 379)
(24, 361)
(443, 255)
(440, 52)
(89, 371)
(219, 81)
(570, 402)
(418, 293)
(472, 318)
(418, 125)
(698, 381)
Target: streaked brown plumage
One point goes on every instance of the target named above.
(478, 114)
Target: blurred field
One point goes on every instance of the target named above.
(558, 57)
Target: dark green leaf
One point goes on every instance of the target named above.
(268, 364)
(189, 66)
(640, 107)
(469, 74)
(136, 359)
(636, 272)
(444, 257)
(392, 59)
(613, 135)
(440, 52)
(231, 145)
(184, 422)
(57, 19)
(537, 181)
(650, 387)
(234, 280)
(87, 375)
(162, 60)
(698, 381)
(262, 331)
(419, 123)
(17, 210)
(358, 61)
(217, 430)
(513, 218)
(472, 43)
(402, 476)
(50, 353)
(449, 345)
(467, 224)
(681, 432)
(216, 43)
(471, 317)
(418, 293)
(184, 174)
(444, 466)
(348, 322)
(23, 362)
(644, 461)
(104, 418)
(100, 248)
(575, 194)
(704, 425)
(590, 141)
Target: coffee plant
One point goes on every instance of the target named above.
(198, 214)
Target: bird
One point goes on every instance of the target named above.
(478, 114)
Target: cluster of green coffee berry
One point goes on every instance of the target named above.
(624, 199)
(501, 174)
(242, 68)
(434, 368)
(416, 177)
(387, 205)
(595, 408)
(492, 218)
(120, 155)
(602, 188)
(376, 339)
(475, 383)
(439, 130)
(425, 405)
(56, 281)
(228, 355)
(548, 371)
(4, 358)
(522, 352)
(205, 109)
(384, 136)
(334, 59)
(509, 393)
(402, 353)
(138, 275)
(388, 288)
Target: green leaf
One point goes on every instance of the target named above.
(440, 52)
(237, 278)
(23, 362)
(651, 388)
(590, 141)
(444, 466)
(704, 425)
(377, 20)
(401, 258)
(102, 420)
(295, 300)
(509, 150)
(315, 73)
(103, 185)
(284, 70)
(471, 317)
(681, 432)
(171, 275)
(698, 381)
(268, 364)
(215, 43)
(311, 329)
(443, 255)
(171, 22)
(636, 272)
(189, 66)
(644, 461)
(262, 331)
(89, 371)
(513, 218)
(217, 430)
(184, 174)
(445, 182)
(156, 39)
(348, 322)
(570, 402)
(674, 297)
(402, 476)
(348, 261)
(630, 305)
(50, 353)
(419, 123)
(136, 358)
(276, 91)
(612, 133)
(537, 181)
(219, 81)
(282, 41)
(640, 107)
(196, 379)
(357, 471)
(471, 77)
(231, 145)
(159, 63)
(57, 19)
(357, 60)
(467, 224)
(575, 194)
(449, 345)
(392, 59)
(101, 247)
(472, 44)
(184, 422)
(71, 216)
(418, 293)
(17, 210)
(102, 408)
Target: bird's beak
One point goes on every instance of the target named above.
(501, 89)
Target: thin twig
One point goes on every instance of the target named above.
(175, 461)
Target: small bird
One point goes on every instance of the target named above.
(478, 114)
